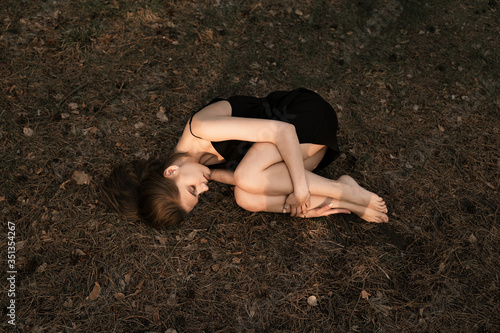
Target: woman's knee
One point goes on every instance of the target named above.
(249, 173)
(247, 180)
(247, 201)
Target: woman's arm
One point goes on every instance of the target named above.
(223, 176)
(214, 123)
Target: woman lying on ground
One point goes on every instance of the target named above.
(266, 147)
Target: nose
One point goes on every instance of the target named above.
(203, 187)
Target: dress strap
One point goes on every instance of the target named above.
(190, 119)
(190, 130)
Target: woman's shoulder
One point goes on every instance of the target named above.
(219, 108)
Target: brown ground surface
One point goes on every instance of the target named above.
(415, 85)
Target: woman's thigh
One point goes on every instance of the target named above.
(262, 155)
(262, 170)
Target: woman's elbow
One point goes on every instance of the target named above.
(286, 132)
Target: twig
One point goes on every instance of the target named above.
(103, 104)
(357, 302)
(71, 93)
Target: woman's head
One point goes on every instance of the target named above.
(157, 192)
(191, 179)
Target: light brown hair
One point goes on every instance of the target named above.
(139, 191)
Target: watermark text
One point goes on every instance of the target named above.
(11, 272)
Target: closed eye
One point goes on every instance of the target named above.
(192, 190)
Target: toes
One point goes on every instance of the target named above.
(381, 218)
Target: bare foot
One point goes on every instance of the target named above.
(361, 196)
(365, 213)
(371, 215)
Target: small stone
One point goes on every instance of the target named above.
(472, 238)
(28, 131)
(312, 301)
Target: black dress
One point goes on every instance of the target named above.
(314, 119)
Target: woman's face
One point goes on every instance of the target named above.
(191, 179)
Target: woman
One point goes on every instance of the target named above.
(266, 147)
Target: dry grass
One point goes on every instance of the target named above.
(416, 89)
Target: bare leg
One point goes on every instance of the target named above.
(274, 204)
(263, 172)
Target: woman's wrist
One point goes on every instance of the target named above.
(301, 189)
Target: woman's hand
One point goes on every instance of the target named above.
(297, 203)
(325, 211)
(315, 212)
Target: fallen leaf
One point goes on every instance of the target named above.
(122, 284)
(161, 115)
(91, 130)
(68, 303)
(236, 260)
(172, 299)
(139, 285)
(94, 294)
(81, 178)
(138, 288)
(73, 106)
(156, 317)
(119, 296)
(191, 235)
(162, 240)
(41, 268)
(490, 185)
(127, 277)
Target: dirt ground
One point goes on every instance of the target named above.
(86, 85)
